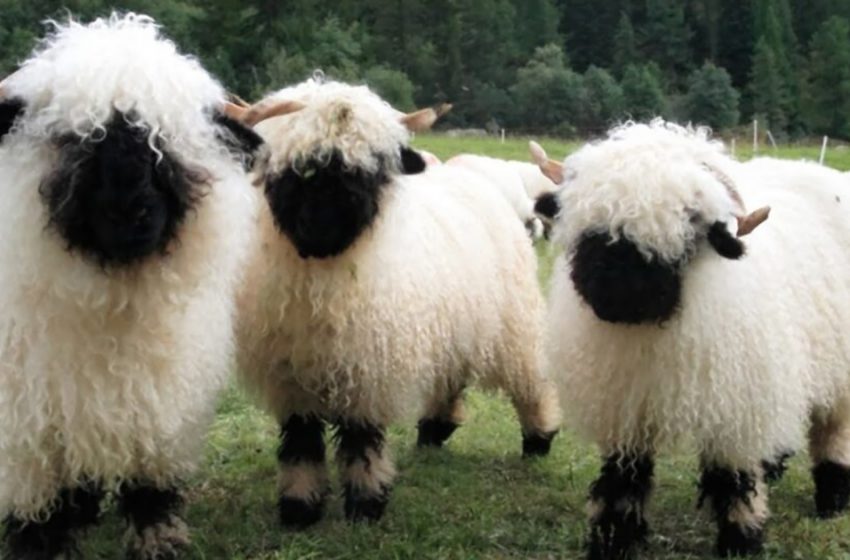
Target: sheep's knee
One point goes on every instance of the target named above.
(303, 479)
(738, 500)
(829, 442)
(540, 418)
(616, 508)
(435, 429)
(155, 529)
(75, 509)
(366, 468)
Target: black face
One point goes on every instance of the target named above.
(621, 285)
(240, 140)
(324, 208)
(10, 110)
(115, 199)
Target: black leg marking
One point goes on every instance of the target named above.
(75, 509)
(617, 500)
(730, 491)
(156, 530)
(537, 445)
(302, 447)
(366, 471)
(832, 488)
(433, 432)
(144, 506)
(775, 469)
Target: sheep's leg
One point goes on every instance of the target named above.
(617, 503)
(303, 479)
(366, 469)
(738, 499)
(540, 417)
(156, 531)
(54, 537)
(440, 424)
(829, 444)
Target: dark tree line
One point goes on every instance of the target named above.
(559, 66)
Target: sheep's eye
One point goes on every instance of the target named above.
(143, 211)
(308, 173)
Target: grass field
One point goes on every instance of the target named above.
(475, 499)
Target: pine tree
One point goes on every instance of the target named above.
(537, 24)
(711, 99)
(735, 40)
(644, 98)
(772, 24)
(768, 91)
(625, 45)
(605, 100)
(829, 65)
(666, 38)
(549, 94)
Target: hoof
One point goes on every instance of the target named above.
(160, 541)
(537, 445)
(434, 432)
(832, 489)
(299, 514)
(735, 541)
(368, 508)
(619, 537)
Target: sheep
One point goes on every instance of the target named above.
(126, 218)
(507, 179)
(429, 158)
(378, 292)
(667, 329)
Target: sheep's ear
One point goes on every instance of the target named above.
(724, 242)
(411, 162)
(547, 205)
(10, 110)
(240, 140)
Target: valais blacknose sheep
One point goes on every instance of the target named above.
(124, 220)
(378, 293)
(668, 328)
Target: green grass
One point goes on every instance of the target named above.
(837, 156)
(475, 499)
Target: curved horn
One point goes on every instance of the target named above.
(746, 224)
(443, 109)
(263, 110)
(419, 121)
(552, 169)
(236, 100)
(233, 111)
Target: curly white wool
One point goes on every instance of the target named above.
(352, 120)
(506, 178)
(757, 344)
(111, 374)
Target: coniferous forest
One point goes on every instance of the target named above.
(564, 67)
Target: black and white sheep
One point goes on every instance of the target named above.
(124, 220)
(666, 328)
(378, 293)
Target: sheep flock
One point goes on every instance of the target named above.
(159, 236)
